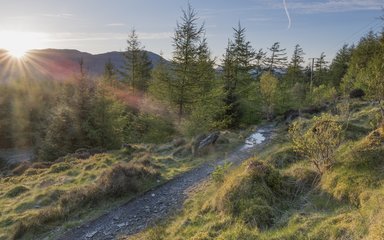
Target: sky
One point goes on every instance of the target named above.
(98, 26)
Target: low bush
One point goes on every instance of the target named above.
(357, 93)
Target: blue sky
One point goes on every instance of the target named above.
(98, 26)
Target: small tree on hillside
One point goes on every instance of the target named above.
(278, 59)
(268, 89)
(319, 142)
(137, 64)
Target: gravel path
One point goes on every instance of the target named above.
(148, 208)
(12, 156)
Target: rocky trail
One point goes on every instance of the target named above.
(13, 156)
(156, 204)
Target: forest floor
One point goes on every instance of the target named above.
(159, 203)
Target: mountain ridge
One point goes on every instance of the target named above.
(60, 64)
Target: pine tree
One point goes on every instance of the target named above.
(238, 64)
(161, 84)
(187, 42)
(321, 70)
(109, 73)
(137, 64)
(278, 59)
(339, 65)
(295, 72)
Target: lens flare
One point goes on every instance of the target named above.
(18, 43)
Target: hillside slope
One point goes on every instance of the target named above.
(278, 194)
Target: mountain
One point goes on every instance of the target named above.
(59, 64)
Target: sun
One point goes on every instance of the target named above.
(19, 43)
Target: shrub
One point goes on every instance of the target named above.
(319, 142)
(357, 93)
(220, 171)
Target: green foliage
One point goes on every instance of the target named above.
(277, 59)
(268, 90)
(339, 66)
(218, 175)
(322, 94)
(191, 63)
(137, 64)
(319, 142)
(362, 55)
(237, 65)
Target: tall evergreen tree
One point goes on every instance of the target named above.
(321, 70)
(137, 64)
(339, 65)
(295, 68)
(188, 43)
(278, 59)
(109, 73)
(238, 64)
(365, 50)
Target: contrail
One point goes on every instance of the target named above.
(288, 16)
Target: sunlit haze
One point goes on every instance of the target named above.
(17, 43)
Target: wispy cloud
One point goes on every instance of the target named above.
(306, 6)
(71, 37)
(259, 19)
(58, 15)
(118, 24)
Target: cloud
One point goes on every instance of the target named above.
(287, 13)
(73, 37)
(333, 5)
(115, 24)
(58, 15)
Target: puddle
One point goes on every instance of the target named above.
(254, 139)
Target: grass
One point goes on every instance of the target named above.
(60, 195)
(279, 195)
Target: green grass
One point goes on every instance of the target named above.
(67, 193)
(279, 195)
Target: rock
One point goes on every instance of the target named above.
(178, 142)
(210, 139)
(91, 234)
(120, 225)
(164, 148)
(202, 142)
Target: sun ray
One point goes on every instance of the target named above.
(17, 44)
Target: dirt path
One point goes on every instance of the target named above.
(12, 156)
(140, 212)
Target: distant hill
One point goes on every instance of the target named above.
(59, 64)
